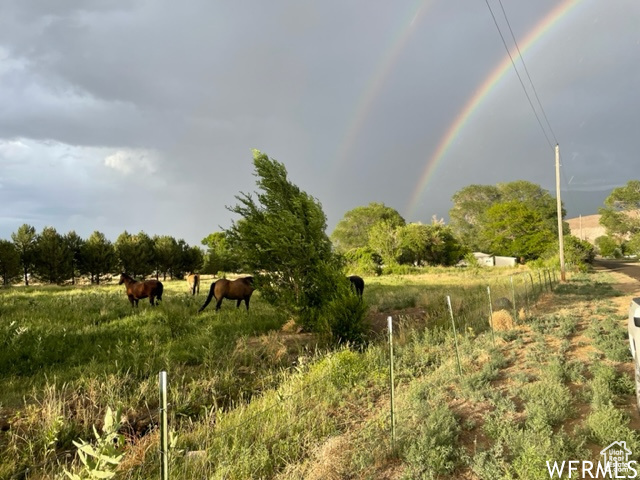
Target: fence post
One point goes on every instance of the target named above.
(455, 335)
(393, 400)
(493, 337)
(513, 300)
(164, 443)
(540, 282)
(533, 286)
(526, 297)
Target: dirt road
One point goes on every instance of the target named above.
(630, 269)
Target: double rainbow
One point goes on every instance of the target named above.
(547, 23)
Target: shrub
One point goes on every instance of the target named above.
(345, 318)
(431, 450)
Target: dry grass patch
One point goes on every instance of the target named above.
(502, 321)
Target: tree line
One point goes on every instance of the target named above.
(55, 258)
(280, 236)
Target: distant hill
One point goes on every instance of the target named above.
(586, 227)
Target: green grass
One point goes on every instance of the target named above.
(248, 402)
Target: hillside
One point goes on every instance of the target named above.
(586, 227)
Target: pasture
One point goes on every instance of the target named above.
(251, 397)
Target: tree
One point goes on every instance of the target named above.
(429, 244)
(24, 240)
(469, 205)
(9, 262)
(281, 235)
(167, 255)
(470, 223)
(135, 254)
(353, 231)
(220, 257)
(384, 240)
(191, 259)
(98, 256)
(621, 213)
(53, 259)
(514, 228)
(74, 243)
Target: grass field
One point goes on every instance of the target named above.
(252, 397)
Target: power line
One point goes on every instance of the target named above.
(527, 71)
(518, 74)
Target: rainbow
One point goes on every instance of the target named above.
(480, 94)
(372, 90)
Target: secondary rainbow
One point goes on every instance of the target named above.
(481, 93)
(373, 88)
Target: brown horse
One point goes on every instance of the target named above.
(137, 290)
(357, 283)
(239, 289)
(193, 280)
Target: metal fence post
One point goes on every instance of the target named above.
(493, 337)
(393, 400)
(513, 300)
(164, 443)
(455, 335)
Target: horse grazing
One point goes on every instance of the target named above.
(193, 280)
(239, 289)
(138, 290)
(357, 283)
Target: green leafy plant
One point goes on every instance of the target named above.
(101, 460)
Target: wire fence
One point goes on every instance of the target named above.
(476, 312)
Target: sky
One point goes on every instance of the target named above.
(141, 115)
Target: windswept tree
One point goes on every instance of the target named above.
(24, 240)
(281, 235)
(354, 230)
(9, 262)
(98, 257)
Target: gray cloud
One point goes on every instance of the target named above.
(105, 103)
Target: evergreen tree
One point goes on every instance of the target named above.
(24, 240)
(9, 262)
(281, 234)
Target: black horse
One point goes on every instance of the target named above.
(357, 283)
(239, 289)
(137, 290)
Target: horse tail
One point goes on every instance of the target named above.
(209, 297)
(194, 284)
(160, 290)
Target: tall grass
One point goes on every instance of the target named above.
(245, 402)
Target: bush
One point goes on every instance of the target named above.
(345, 318)
(432, 449)
(364, 261)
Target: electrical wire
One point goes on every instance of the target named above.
(527, 72)
(495, 21)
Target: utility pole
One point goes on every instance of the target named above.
(559, 208)
(581, 237)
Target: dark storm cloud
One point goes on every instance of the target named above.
(107, 100)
